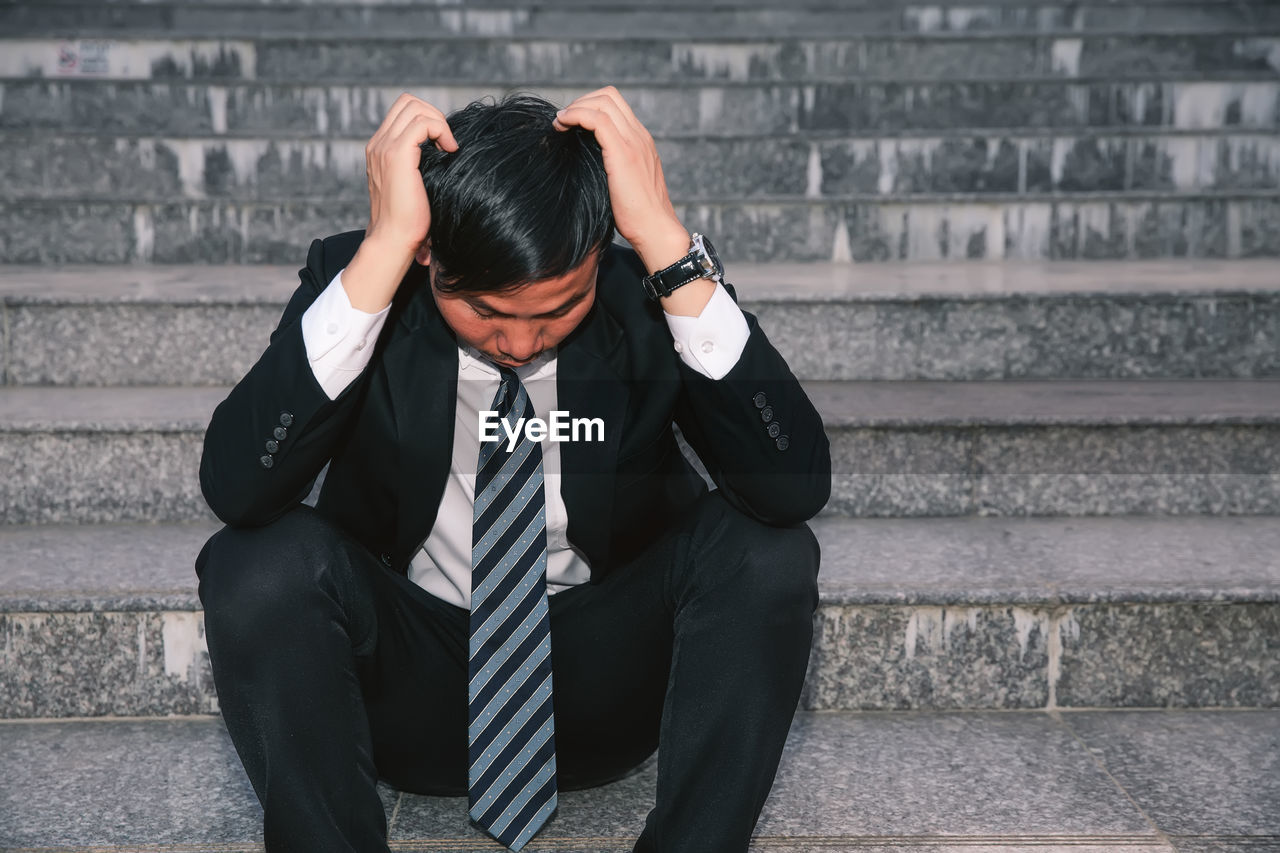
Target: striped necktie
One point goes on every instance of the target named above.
(511, 732)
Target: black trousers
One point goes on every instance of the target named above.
(333, 671)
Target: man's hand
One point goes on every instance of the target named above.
(399, 213)
(642, 210)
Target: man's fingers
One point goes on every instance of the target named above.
(426, 121)
(422, 128)
(620, 103)
(609, 100)
(393, 112)
(598, 121)
(410, 113)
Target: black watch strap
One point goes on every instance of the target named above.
(693, 266)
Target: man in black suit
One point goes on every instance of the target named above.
(350, 642)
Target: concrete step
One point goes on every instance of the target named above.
(665, 5)
(1013, 448)
(103, 167)
(768, 57)
(78, 19)
(898, 102)
(958, 613)
(206, 325)
(959, 226)
(1159, 781)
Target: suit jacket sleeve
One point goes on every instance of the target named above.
(278, 401)
(780, 481)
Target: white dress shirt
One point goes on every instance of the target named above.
(339, 342)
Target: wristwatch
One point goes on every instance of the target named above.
(701, 262)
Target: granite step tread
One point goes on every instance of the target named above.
(1085, 226)
(574, 85)
(711, 4)
(271, 284)
(1088, 781)
(843, 404)
(959, 613)
(81, 325)
(68, 568)
(268, 135)
(705, 37)
(762, 168)
(183, 107)
(81, 20)
(161, 202)
(899, 449)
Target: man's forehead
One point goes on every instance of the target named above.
(578, 282)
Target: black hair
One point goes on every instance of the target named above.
(519, 201)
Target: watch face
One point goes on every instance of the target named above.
(711, 253)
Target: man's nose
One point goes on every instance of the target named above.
(521, 341)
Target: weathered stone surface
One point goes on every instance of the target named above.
(343, 19)
(101, 477)
(636, 58)
(631, 19)
(114, 569)
(103, 455)
(357, 109)
(121, 783)
(887, 658)
(72, 232)
(1209, 779)
(916, 613)
(892, 105)
(1075, 781)
(80, 167)
(969, 562)
(1120, 336)
(90, 664)
(913, 448)
(1195, 655)
(179, 108)
(1127, 469)
(136, 344)
(205, 325)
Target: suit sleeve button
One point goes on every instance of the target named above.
(773, 430)
(386, 560)
(266, 461)
(280, 433)
(759, 399)
(286, 419)
(272, 445)
(783, 442)
(766, 414)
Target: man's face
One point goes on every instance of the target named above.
(511, 328)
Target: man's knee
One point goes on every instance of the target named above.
(248, 576)
(772, 568)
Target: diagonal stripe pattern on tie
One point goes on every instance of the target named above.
(511, 730)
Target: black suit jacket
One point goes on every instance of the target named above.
(388, 437)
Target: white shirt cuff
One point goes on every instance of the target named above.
(339, 338)
(712, 342)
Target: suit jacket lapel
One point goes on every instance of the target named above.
(590, 373)
(422, 372)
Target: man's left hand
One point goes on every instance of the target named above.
(642, 210)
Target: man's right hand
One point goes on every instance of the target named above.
(399, 214)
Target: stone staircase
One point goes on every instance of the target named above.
(1050, 592)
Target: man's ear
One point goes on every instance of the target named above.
(423, 255)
